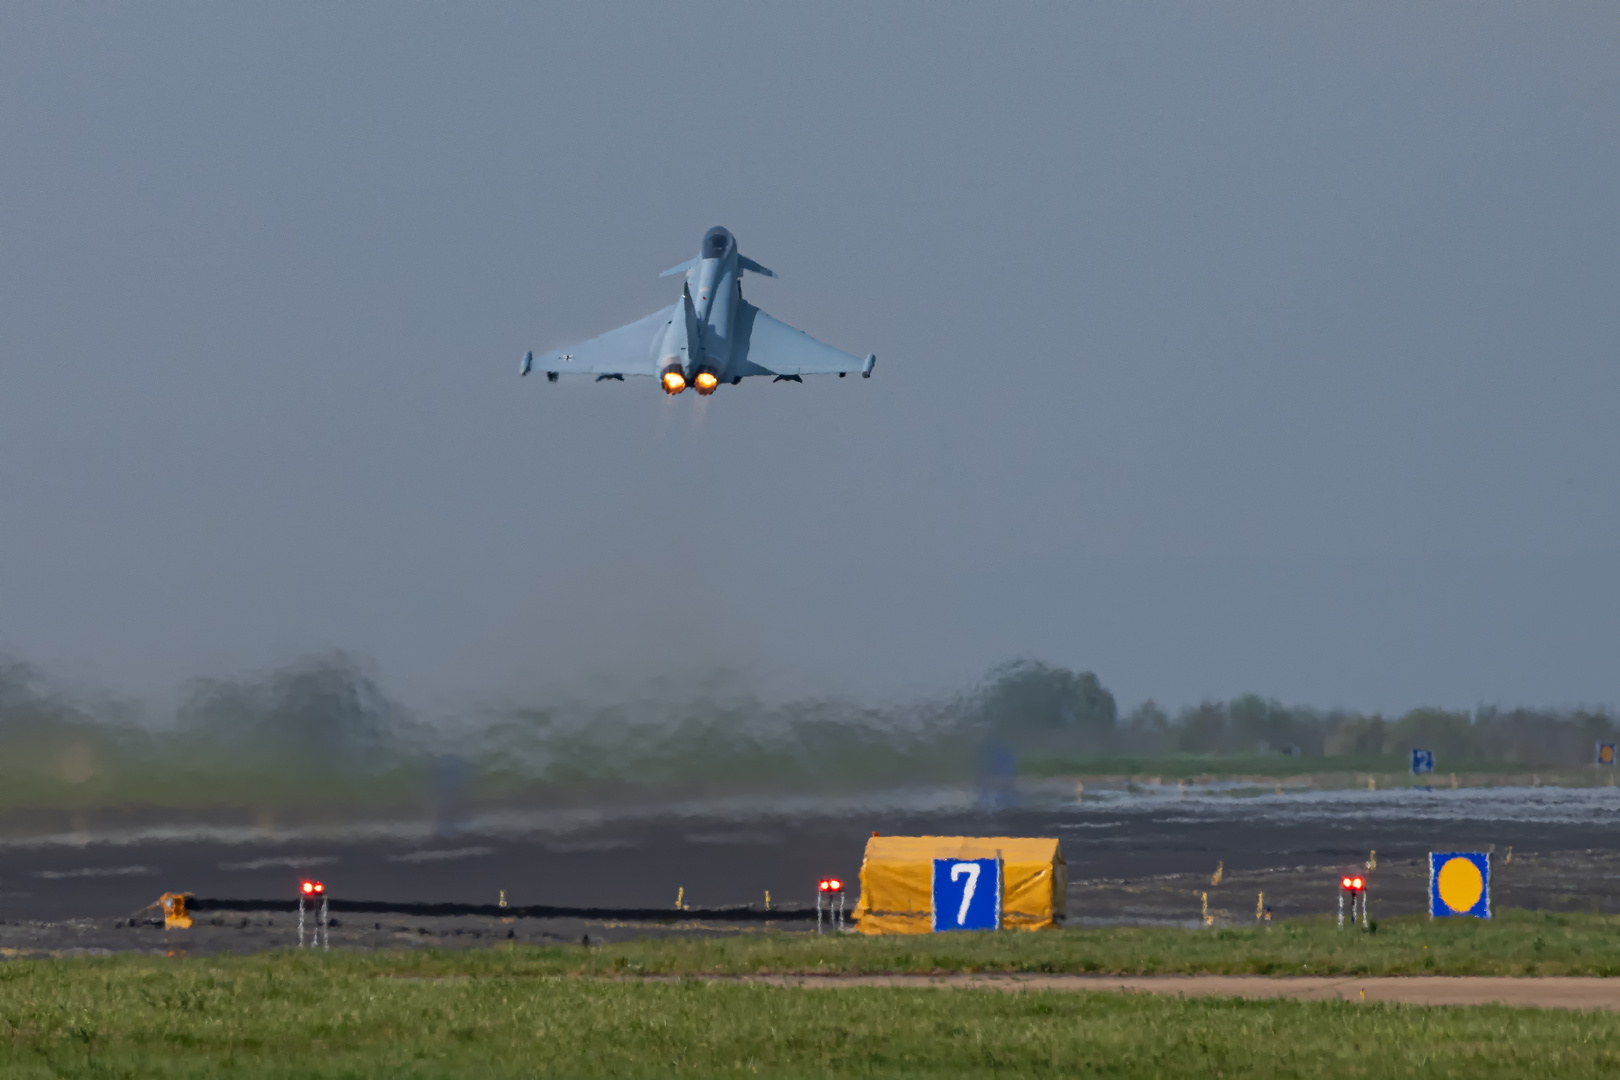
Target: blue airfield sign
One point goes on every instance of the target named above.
(1459, 884)
(967, 894)
(1422, 762)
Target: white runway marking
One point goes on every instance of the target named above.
(292, 862)
(94, 871)
(748, 838)
(571, 847)
(1596, 807)
(439, 856)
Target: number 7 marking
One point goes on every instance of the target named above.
(971, 869)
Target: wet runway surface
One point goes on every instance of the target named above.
(1134, 854)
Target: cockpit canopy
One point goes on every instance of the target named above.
(716, 242)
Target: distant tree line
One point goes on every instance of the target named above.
(323, 731)
(1036, 707)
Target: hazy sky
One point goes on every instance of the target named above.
(1221, 348)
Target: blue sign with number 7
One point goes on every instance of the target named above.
(967, 894)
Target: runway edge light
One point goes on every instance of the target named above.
(307, 892)
(830, 888)
(1355, 887)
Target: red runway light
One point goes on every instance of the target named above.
(1355, 883)
(1345, 883)
(319, 888)
(830, 885)
(308, 887)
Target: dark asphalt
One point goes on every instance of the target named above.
(646, 860)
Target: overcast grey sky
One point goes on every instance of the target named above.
(1222, 347)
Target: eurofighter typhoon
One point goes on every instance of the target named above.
(710, 336)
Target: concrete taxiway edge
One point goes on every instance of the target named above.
(1587, 993)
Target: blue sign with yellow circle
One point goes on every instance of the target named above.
(1605, 753)
(1460, 884)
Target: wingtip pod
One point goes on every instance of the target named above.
(528, 363)
(871, 362)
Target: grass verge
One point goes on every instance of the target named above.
(500, 1013)
(1514, 943)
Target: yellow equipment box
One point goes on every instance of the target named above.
(897, 881)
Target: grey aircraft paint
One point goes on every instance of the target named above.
(705, 341)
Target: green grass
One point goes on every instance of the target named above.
(1514, 943)
(498, 1013)
(140, 790)
(92, 779)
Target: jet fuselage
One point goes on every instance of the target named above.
(697, 350)
(709, 337)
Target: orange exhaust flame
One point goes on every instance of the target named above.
(674, 382)
(706, 382)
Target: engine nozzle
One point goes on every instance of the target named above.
(674, 382)
(706, 382)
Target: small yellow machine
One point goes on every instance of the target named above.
(174, 910)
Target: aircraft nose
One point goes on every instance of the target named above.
(716, 242)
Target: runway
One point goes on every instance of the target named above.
(1134, 854)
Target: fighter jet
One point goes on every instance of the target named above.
(706, 339)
